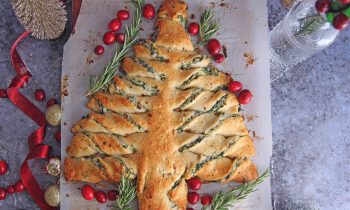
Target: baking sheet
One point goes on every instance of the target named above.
(243, 31)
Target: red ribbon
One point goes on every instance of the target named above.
(35, 140)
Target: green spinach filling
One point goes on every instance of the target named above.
(150, 69)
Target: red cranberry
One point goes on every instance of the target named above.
(189, 209)
(10, 189)
(51, 102)
(345, 1)
(234, 86)
(2, 193)
(39, 95)
(148, 11)
(3, 167)
(109, 38)
(115, 25)
(19, 186)
(120, 38)
(112, 195)
(194, 183)
(219, 58)
(123, 14)
(99, 50)
(214, 46)
(101, 196)
(322, 6)
(206, 200)
(88, 192)
(245, 96)
(340, 21)
(3, 93)
(58, 136)
(193, 28)
(192, 197)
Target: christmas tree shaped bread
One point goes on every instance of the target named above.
(167, 119)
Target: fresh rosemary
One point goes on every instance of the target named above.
(127, 192)
(131, 33)
(207, 27)
(310, 24)
(225, 200)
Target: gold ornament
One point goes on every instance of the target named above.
(53, 167)
(53, 115)
(52, 195)
(46, 19)
(288, 3)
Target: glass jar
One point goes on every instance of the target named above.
(302, 33)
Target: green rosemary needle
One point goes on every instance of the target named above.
(127, 192)
(207, 27)
(225, 200)
(100, 81)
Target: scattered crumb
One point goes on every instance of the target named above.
(89, 60)
(250, 118)
(256, 137)
(193, 16)
(141, 29)
(226, 5)
(64, 123)
(249, 59)
(67, 195)
(73, 31)
(245, 42)
(212, 4)
(224, 50)
(64, 89)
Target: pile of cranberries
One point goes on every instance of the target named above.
(115, 25)
(193, 197)
(340, 21)
(11, 189)
(89, 194)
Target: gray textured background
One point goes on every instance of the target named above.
(310, 114)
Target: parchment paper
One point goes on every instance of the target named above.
(243, 31)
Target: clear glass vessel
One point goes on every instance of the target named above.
(302, 33)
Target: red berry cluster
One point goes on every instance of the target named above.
(193, 197)
(244, 96)
(11, 189)
(213, 46)
(89, 194)
(340, 20)
(115, 25)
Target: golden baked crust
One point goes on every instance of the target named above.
(169, 118)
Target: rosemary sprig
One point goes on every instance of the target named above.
(225, 200)
(207, 27)
(98, 82)
(310, 24)
(127, 192)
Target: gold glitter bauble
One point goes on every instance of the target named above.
(53, 115)
(288, 3)
(52, 195)
(53, 167)
(46, 19)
